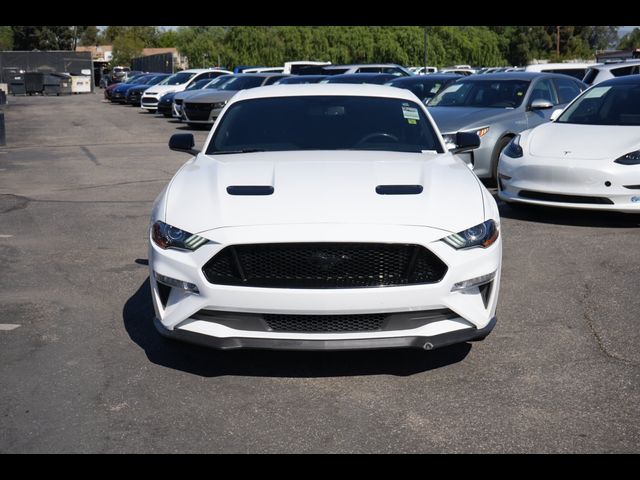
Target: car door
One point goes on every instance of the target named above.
(542, 89)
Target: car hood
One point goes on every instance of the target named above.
(140, 88)
(211, 96)
(453, 119)
(588, 142)
(162, 89)
(336, 187)
(188, 94)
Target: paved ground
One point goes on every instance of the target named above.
(86, 372)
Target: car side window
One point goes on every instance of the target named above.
(567, 89)
(369, 70)
(543, 90)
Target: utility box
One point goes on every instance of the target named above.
(80, 84)
(33, 82)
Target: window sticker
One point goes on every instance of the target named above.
(410, 113)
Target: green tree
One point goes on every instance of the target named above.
(630, 40)
(6, 38)
(89, 36)
(43, 37)
(125, 47)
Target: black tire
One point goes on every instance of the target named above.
(500, 146)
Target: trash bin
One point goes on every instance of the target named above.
(56, 84)
(16, 84)
(33, 82)
(80, 84)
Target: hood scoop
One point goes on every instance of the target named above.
(250, 190)
(399, 189)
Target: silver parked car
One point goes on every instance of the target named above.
(498, 106)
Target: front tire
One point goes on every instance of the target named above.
(500, 146)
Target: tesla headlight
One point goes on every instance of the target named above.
(513, 148)
(167, 236)
(632, 158)
(482, 235)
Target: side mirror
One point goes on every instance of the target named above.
(183, 142)
(556, 113)
(465, 141)
(540, 104)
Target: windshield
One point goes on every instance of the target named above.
(241, 83)
(157, 79)
(606, 105)
(178, 78)
(482, 94)
(219, 81)
(198, 84)
(324, 123)
(422, 89)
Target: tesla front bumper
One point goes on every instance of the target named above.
(423, 316)
(570, 183)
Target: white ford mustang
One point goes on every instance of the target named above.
(324, 217)
(589, 157)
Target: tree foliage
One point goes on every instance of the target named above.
(631, 40)
(273, 45)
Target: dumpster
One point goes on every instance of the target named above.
(57, 83)
(80, 84)
(3, 140)
(33, 82)
(3, 97)
(16, 84)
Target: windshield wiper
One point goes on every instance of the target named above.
(246, 150)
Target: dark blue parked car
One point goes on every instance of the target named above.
(134, 94)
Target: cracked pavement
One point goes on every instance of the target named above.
(85, 370)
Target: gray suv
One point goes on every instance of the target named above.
(497, 107)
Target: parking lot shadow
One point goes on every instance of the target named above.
(568, 216)
(138, 321)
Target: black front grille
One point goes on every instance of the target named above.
(555, 197)
(197, 111)
(150, 100)
(325, 323)
(324, 265)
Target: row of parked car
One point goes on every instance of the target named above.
(497, 107)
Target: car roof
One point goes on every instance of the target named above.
(432, 76)
(513, 76)
(614, 65)
(540, 66)
(625, 80)
(261, 75)
(312, 89)
(352, 65)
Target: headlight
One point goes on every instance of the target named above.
(481, 132)
(167, 236)
(218, 105)
(513, 148)
(482, 235)
(632, 158)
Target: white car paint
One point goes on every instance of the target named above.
(324, 196)
(151, 96)
(574, 159)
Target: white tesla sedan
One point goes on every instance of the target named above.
(324, 217)
(588, 158)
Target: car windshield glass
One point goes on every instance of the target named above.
(178, 78)
(197, 85)
(219, 81)
(324, 123)
(155, 80)
(482, 94)
(605, 105)
(241, 83)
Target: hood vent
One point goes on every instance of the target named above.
(399, 189)
(250, 190)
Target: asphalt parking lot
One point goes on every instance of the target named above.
(85, 371)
